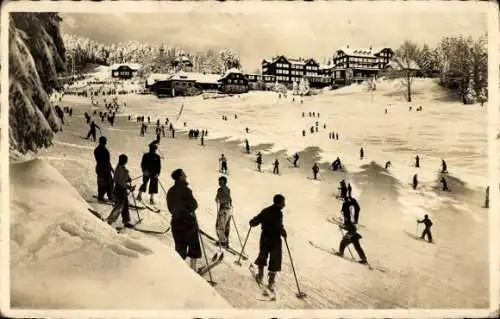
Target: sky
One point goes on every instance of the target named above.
(260, 30)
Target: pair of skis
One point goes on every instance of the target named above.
(228, 249)
(216, 259)
(267, 294)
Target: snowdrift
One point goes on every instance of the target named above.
(64, 257)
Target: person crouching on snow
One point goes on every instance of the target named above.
(224, 212)
(182, 205)
(122, 185)
(151, 168)
(351, 237)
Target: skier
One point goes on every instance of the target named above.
(337, 136)
(271, 220)
(103, 170)
(259, 161)
(151, 168)
(295, 159)
(444, 167)
(351, 237)
(361, 153)
(427, 230)
(349, 190)
(247, 146)
(417, 161)
(445, 184)
(276, 169)
(122, 184)
(224, 212)
(342, 189)
(315, 169)
(346, 210)
(223, 164)
(487, 198)
(415, 181)
(182, 205)
(92, 131)
(388, 164)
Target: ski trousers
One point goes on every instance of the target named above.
(153, 184)
(187, 241)
(270, 247)
(121, 206)
(357, 246)
(222, 224)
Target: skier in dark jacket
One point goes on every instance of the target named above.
(103, 170)
(315, 169)
(295, 160)
(427, 230)
(92, 131)
(444, 167)
(276, 168)
(445, 185)
(271, 221)
(182, 205)
(351, 237)
(346, 210)
(415, 181)
(151, 168)
(343, 189)
(417, 161)
(259, 161)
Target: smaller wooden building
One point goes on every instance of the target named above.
(124, 71)
(233, 82)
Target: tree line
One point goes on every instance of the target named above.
(461, 63)
(154, 58)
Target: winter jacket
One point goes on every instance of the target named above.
(103, 159)
(271, 220)
(180, 201)
(151, 164)
(122, 177)
(224, 196)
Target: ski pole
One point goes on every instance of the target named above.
(211, 282)
(243, 248)
(136, 207)
(163, 188)
(237, 232)
(299, 294)
(136, 178)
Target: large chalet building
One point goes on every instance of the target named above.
(288, 70)
(357, 65)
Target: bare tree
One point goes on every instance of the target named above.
(406, 56)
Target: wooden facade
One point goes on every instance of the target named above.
(233, 82)
(357, 65)
(288, 70)
(123, 72)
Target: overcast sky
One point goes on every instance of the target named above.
(259, 30)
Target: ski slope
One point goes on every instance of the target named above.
(411, 269)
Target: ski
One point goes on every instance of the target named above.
(203, 270)
(110, 203)
(96, 213)
(332, 251)
(266, 294)
(339, 222)
(150, 207)
(154, 232)
(120, 228)
(418, 238)
(229, 249)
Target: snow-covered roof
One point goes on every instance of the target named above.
(133, 66)
(361, 52)
(231, 70)
(154, 77)
(196, 76)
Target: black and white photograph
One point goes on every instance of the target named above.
(234, 157)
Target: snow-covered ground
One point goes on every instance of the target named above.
(62, 257)
(412, 274)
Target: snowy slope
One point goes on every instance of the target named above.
(64, 257)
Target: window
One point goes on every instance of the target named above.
(229, 81)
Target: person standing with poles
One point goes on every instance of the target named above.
(182, 205)
(427, 230)
(92, 131)
(151, 168)
(122, 185)
(223, 164)
(315, 169)
(103, 170)
(351, 237)
(224, 212)
(271, 221)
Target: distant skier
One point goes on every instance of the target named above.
(247, 146)
(361, 153)
(151, 168)
(337, 136)
(271, 220)
(103, 170)
(295, 159)
(445, 185)
(388, 164)
(224, 212)
(444, 167)
(259, 161)
(415, 181)
(349, 190)
(343, 190)
(351, 237)
(336, 165)
(417, 161)
(223, 164)
(276, 168)
(122, 185)
(427, 230)
(487, 198)
(182, 205)
(92, 131)
(315, 170)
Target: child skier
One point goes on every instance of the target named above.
(427, 230)
(351, 237)
(122, 184)
(224, 212)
